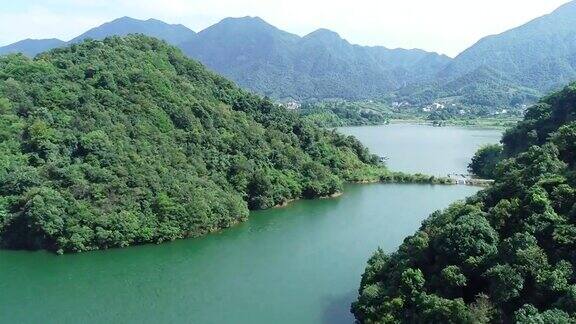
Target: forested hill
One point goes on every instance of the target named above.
(507, 254)
(540, 54)
(319, 65)
(509, 69)
(174, 34)
(273, 62)
(126, 141)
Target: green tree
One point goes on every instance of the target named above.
(507, 254)
(484, 161)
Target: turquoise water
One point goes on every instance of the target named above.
(421, 148)
(299, 264)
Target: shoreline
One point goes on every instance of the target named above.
(287, 203)
(478, 123)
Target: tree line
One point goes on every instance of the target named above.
(126, 141)
(506, 254)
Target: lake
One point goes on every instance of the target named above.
(427, 149)
(299, 264)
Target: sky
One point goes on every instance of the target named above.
(443, 26)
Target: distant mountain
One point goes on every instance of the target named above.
(31, 47)
(511, 69)
(173, 34)
(269, 61)
(248, 50)
(540, 54)
(424, 65)
(319, 65)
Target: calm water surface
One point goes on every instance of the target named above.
(300, 264)
(421, 148)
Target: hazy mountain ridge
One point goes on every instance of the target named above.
(537, 57)
(511, 69)
(31, 47)
(270, 61)
(174, 34)
(319, 65)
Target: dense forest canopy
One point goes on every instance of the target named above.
(484, 162)
(126, 141)
(506, 254)
(337, 113)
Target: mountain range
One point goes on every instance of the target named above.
(514, 67)
(319, 65)
(172, 34)
(510, 69)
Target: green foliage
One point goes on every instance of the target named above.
(344, 113)
(412, 281)
(482, 92)
(453, 276)
(505, 283)
(484, 161)
(565, 141)
(529, 314)
(506, 254)
(320, 65)
(468, 240)
(126, 141)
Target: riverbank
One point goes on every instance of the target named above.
(401, 177)
(482, 123)
(288, 265)
(341, 113)
(352, 116)
(276, 253)
(486, 123)
(383, 176)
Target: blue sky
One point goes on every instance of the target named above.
(445, 26)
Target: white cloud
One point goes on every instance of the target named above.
(446, 26)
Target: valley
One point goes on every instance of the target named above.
(238, 172)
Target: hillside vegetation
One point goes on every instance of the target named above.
(320, 65)
(504, 72)
(126, 141)
(339, 113)
(273, 62)
(510, 69)
(506, 254)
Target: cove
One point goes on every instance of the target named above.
(299, 264)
